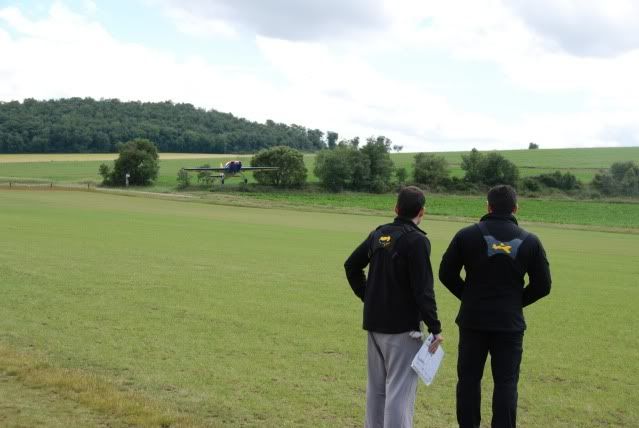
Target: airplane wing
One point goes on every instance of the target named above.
(204, 169)
(260, 168)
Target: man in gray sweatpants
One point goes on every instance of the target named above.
(397, 295)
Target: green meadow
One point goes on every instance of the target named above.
(136, 311)
(601, 214)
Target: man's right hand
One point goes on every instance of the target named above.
(437, 339)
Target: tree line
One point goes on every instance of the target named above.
(369, 167)
(85, 125)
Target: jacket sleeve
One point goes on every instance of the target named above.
(421, 281)
(354, 267)
(539, 275)
(450, 268)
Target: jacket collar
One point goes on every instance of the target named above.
(499, 217)
(407, 221)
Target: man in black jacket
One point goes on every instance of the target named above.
(496, 254)
(397, 295)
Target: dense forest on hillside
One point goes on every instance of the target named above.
(85, 125)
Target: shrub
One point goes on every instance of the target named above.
(138, 158)
(183, 179)
(368, 168)
(430, 170)
(291, 173)
(401, 175)
(622, 179)
(490, 169)
(333, 169)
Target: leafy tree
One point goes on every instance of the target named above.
(183, 179)
(490, 169)
(350, 167)
(138, 158)
(333, 168)
(398, 148)
(630, 182)
(86, 125)
(430, 170)
(360, 169)
(315, 137)
(292, 171)
(401, 175)
(331, 138)
(105, 173)
(533, 146)
(472, 164)
(621, 179)
(381, 166)
(496, 169)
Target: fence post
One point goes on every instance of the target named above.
(10, 183)
(51, 185)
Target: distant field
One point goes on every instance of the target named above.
(129, 311)
(591, 158)
(583, 163)
(84, 157)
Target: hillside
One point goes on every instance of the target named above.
(85, 125)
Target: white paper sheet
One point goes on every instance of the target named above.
(425, 363)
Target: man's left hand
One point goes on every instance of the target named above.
(437, 339)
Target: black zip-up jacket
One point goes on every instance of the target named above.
(493, 294)
(398, 292)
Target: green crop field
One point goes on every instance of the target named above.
(583, 163)
(120, 311)
(604, 214)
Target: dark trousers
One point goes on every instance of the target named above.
(505, 350)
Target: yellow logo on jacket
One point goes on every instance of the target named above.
(384, 240)
(502, 247)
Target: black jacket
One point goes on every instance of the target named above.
(399, 290)
(493, 294)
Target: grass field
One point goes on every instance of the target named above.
(120, 311)
(74, 168)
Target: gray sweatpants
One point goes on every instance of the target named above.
(392, 383)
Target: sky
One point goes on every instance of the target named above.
(429, 75)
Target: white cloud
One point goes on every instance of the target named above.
(330, 83)
(584, 27)
(198, 26)
(289, 19)
(66, 54)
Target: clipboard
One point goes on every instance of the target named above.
(426, 364)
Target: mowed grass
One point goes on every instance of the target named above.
(150, 312)
(75, 168)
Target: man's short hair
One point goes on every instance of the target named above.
(410, 201)
(502, 199)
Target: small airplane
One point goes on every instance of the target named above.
(233, 169)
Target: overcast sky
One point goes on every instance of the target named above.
(430, 75)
